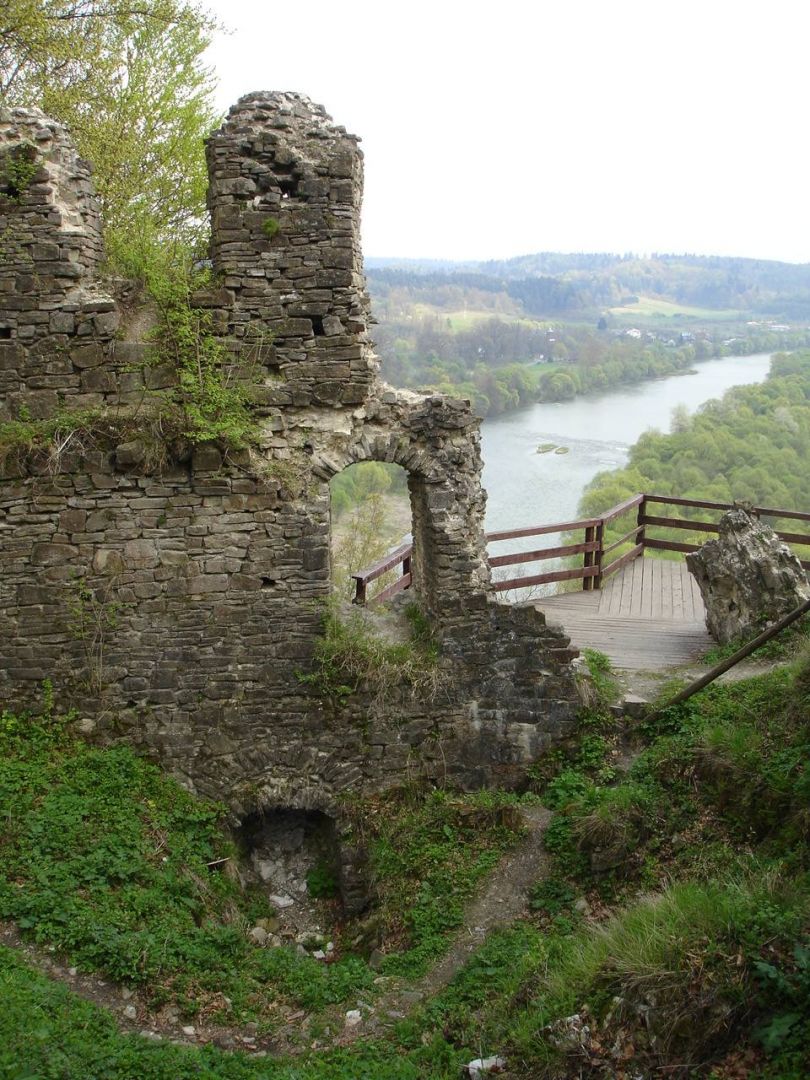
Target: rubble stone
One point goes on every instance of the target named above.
(747, 577)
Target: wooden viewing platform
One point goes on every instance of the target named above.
(648, 616)
(645, 614)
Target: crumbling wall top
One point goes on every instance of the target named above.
(47, 188)
(285, 192)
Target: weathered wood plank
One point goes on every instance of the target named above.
(678, 609)
(650, 617)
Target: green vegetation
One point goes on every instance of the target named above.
(483, 332)
(47, 1032)
(129, 82)
(429, 851)
(750, 445)
(501, 364)
(673, 929)
(214, 391)
(350, 656)
(673, 924)
(657, 309)
(66, 432)
(210, 399)
(17, 168)
(782, 647)
(353, 486)
(120, 868)
(570, 286)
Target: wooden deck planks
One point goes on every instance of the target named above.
(648, 616)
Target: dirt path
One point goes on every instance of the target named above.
(132, 1013)
(502, 902)
(648, 684)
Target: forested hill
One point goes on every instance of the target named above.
(552, 283)
(753, 444)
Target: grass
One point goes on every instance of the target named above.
(784, 646)
(47, 1033)
(467, 318)
(118, 868)
(653, 308)
(350, 657)
(113, 864)
(688, 947)
(429, 852)
(673, 930)
(668, 978)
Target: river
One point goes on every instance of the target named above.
(527, 488)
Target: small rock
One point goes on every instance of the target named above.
(330, 946)
(412, 997)
(375, 961)
(130, 1012)
(258, 935)
(130, 455)
(73, 972)
(353, 1017)
(86, 726)
(126, 993)
(189, 1030)
(281, 901)
(319, 954)
(310, 939)
(582, 906)
(251, 1027)
(482, 1066)
(152, 1036)
(634, 705)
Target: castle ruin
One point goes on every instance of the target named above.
(206, 574)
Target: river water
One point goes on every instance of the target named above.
(527, 488)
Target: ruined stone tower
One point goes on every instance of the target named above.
(213, 567)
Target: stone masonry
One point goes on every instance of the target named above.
(177, 603)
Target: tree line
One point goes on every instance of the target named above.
(501, 364)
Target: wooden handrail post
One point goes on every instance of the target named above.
(641, 537)
(406, 568)
(359, 591)
(600, 539)
(587, 582)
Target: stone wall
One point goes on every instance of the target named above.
(177, 606)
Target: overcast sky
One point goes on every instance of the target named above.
(554, 125)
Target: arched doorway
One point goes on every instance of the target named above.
(371, 519)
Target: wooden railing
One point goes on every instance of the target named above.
(594, 569)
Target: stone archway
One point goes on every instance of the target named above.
(437, 445)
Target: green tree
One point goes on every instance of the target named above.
(128, 80)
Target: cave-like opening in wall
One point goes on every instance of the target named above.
(291, 855)
(371, 518)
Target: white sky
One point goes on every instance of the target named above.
(498, 129)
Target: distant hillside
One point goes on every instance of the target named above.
(555, 284)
